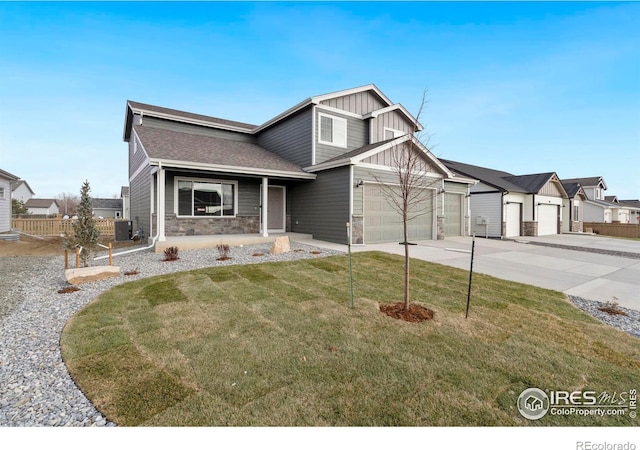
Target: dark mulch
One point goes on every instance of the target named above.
(68, 290)
(415, 313)
(223, 258)
(612, 310)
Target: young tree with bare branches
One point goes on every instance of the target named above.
(413, 196)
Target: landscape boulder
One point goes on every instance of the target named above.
(280, 245)
(89, 274)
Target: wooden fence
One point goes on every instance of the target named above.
(58, 227)
(626, 230)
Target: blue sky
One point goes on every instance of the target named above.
(520, 87)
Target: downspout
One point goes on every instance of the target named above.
(153, 239)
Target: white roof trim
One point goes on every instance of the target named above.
(204, 123)
(397, 106)
(231, 169)
(368, 87)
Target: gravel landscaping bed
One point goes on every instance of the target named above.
(35, 387)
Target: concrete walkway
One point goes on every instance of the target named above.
(592, 276)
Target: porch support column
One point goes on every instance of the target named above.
(161, 197)
(265, 203)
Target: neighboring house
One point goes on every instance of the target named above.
(5, 200)
(311, 169)
(573, 208)
(124, 194)
(597, 208)
(107, 208)
(634, 209)
(507, 205)
(42, 206)
(20, 190)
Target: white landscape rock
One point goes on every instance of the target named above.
(281, 245)
(89, 274)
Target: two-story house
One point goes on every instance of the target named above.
(311, 169)
(20, 190)
(599, 207)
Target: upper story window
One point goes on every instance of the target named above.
(1, 192)
(333, 130)
(390, 133)
(207, 198)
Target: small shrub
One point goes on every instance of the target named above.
(131, 272)
(68, 289)
(611, 307)
(171, 254)
(223, 250)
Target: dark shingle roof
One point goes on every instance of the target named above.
(488, 176)
(40, 202)
(571, 188)
(632, 203)
(192, 116)
(186, 147)
(527, 184)
(611, 198)
(106, 203)
(587, 181)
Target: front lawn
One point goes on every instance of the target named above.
(276, 344)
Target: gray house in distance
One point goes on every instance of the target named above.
(506, 205)
(311, 169)
(108, 208)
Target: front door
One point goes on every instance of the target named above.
(276, 209)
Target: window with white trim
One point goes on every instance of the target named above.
(206, 198)
(333, 130)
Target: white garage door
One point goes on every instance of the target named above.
(382, 223)
(547, 219)
(513, 219)
(452, 214)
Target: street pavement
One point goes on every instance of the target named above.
(593, 276)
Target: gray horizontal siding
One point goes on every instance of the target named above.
(5, 206)
(357, 136)
(459, 188)
(321, 207)
(195, 129)
(140, 196)
(487, 205)
(139, 157)
(290, 139)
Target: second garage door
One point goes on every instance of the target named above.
(382, 223)
(547, 219)
(453, 214)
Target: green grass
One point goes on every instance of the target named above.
(277, 345)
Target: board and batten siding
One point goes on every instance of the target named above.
(5, 206)
(357, 136)
(488, 205)
(200, 130)
(358, 103)
(391, 119)
(291, 139)
(321, 207)
(248, 191)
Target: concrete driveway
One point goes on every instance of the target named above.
(593, 276)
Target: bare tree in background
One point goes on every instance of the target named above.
(413, 196)
(68, 203)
